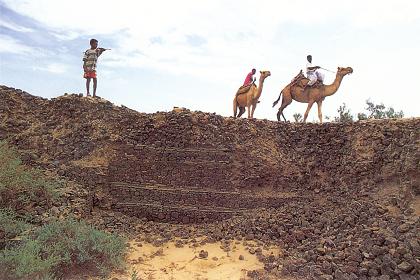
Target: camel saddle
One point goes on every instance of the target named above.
(301, 81)
(244, 89)
(317, 84)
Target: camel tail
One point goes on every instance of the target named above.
(277, 101)
(235, 106)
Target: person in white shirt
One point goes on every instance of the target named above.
(89, 64)
(312, 72)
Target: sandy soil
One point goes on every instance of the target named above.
(171, 262)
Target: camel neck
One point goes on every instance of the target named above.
(331, 89)
(260, 87)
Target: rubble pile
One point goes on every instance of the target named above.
(339, 199)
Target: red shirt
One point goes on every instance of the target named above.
(248, 79)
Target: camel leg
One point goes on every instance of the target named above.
(319, 111)
(253, 109)
(235, 107)
(305, 116)
(284, 103)
(241, 111)
(249, 111)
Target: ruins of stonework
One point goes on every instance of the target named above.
(341, 200)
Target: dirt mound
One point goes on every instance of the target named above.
(340, 200)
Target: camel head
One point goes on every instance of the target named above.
(264, 74)
(344, 71)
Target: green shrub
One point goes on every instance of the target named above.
(19, 184)
(344, 114)
(55, 248)
(380, 111)
(10, 224)
(26, 260)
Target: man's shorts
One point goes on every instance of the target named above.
(89, 74)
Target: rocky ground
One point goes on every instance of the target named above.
(360, 182)
(359, 239)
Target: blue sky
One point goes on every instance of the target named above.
(195, 54)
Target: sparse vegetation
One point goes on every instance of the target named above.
(297, 117)
(134, 275)
(51, 250)
(11, 225)
(59, 246)
(19, 184)
(374, 111)
(379, 111)
(344, 114)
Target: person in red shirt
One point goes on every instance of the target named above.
(249, 78)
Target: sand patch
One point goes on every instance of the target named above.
(171, 262)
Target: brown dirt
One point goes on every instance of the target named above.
(352, 185)
(415, 204)
(170, 262)
(100, 157)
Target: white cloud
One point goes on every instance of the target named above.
(55, 68)
(15, 27)
(11, 45)
(374, 14)
(238, 35)
(232, 30)
(65, 35)
(106, 16)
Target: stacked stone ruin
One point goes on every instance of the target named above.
(314, 184)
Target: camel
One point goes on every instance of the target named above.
(249, 98)
(294, 91)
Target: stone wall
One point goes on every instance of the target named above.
(194, 166)
(341, 200)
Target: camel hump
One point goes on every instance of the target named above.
(244, 89)
(298, 77)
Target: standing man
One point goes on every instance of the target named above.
(89, 65)
(312, 72)
(249, 78)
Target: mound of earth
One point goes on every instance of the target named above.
(336, 201)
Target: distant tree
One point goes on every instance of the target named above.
(379, 111)
(344, 114)
(362, 116)
(390, 113)
(297, 117)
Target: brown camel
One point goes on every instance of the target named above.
(296, 91)
(249, 98)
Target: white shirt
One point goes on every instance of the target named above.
(309, 71)
(91, 58)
